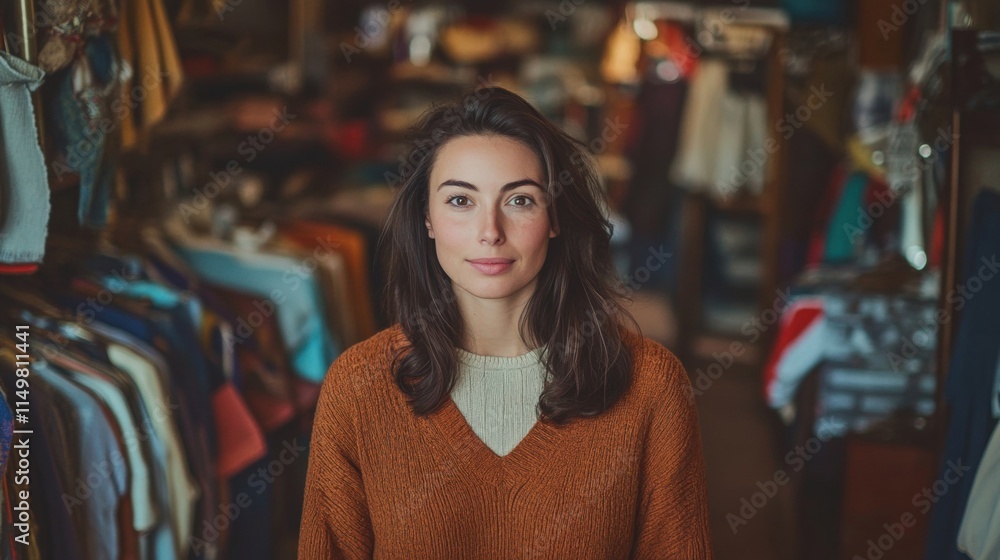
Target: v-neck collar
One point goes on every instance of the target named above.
(538, 446)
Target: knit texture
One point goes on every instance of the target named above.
(384, 483)
(498, 396)
(24, 180)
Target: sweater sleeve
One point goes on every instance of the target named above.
(335, 519)
(673, 509)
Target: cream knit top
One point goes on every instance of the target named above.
(498, 396)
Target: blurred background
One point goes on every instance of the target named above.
(805, 202)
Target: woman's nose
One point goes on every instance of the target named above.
(491, 231)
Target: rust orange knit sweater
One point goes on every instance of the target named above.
(384, 483)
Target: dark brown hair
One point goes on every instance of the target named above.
(576, 308)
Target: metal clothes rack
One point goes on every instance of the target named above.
(24, 16)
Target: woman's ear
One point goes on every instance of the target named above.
(430, 230)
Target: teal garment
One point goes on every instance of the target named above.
(282, 286)
(82, 125)
(848, 221)
(828, 12)
(162, 297)
(24, 181)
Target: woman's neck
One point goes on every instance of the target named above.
(491, 326)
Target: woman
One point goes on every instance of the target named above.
(509, 413)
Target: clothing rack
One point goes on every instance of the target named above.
(768, 207)
(24, 15)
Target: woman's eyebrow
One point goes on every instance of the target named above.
(505, 188)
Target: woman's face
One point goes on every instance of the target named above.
(487, 216)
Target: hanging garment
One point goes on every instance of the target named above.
(240, 440)
(352, 246)
(81, 112)
(701, 126)
(284, 287)
(802, 337)
(823, 12)
(334, 280)
(979, 534)
(24, 183)
(721, 148)
(173, 332)
(845, 227)
(740, 160)
(18, 268)
(378, 270)
(264, 361)
(68, 24)
(100, 508)
(140, 475)
(158, 540)
(876, 353)
(649, 197)
(971, 373)
(49, 457)
(182, 493)
(154, 74)
(811, 163)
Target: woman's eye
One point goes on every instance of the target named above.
(522, 201)
(463, 200)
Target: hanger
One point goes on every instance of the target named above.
(16, 297)
(88, 287)
(23, 307)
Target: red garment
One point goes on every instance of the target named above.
(795, 352)
(266, 384)
(936, 252)
(18, 268)
(241, 441)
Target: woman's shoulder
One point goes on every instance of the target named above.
(656, 370)
(368, 360)
(379, 346)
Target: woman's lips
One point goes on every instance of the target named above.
(491, 266)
